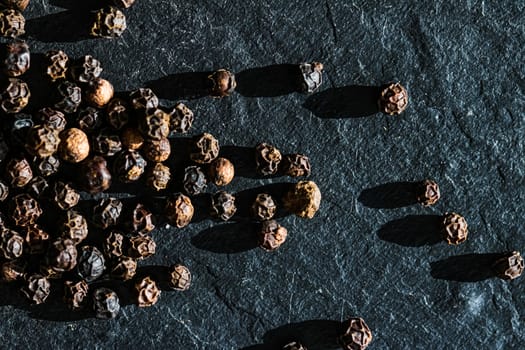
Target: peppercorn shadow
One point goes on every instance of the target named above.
(228, 238)
(269, 81)
(389, 195)
(38, 83)
(412, 231)
(244, 199)
(243, 159)
(353, 101)
(85, 5)
(65, 26)
(188, 85)
(465, 268)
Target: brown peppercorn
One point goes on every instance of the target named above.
(107, 212)
(267, 158)
(223, 83)
(158, 177)
(57, 64)
(74, 227)
(52, 118)
(68, 97)
(36, 238)
(312, 76)
(142, 247)
(109, 22)
(13, 270)
(394, 99)
(205, 149)
(75, 294)
(125, 268)
(155, 124)
(147, 292)
(95, 175)
(113, 244)
(144, 98)
(179, 210)
(124, 3)
(17, 59)
(294, 346)
(106, 303)
(223, 205)
(19, 5)
(357, 335)
(15, 96)
(74, 145)
(99, 92)
(38, 186)
(157, 150)
(296, 165)
(427, 193)
(180, 277)
(509, 266)
(11, 244)
(4, 191)
(85, 69)
(117, 112)
(129, 166)
(65, 196)
(25, 210)
(12, 23)
(19, 172)
(62, 255)
(221, 171)
(131, 138)
(181, 119)
(272, 235)
(91, 263)
(263, 208)
(47, 166)
(89, 120)
(455, 228)
(303, 199)
(37, 288)
(107, 143)
(194, 181)
(42, 141)
(143, 220)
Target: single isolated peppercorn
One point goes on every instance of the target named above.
(131, 138)
(105, 303)
(312, 76)
(52, 118)
(15, 96)
(113, 244)
(455, 228)
(65, 196)
(296, 165)
(427, 193)
(107, 212)
(124, 3)
(62, 255)
(12, 270)
(109, 22)
(117, 112)
(303, 199)
(37, 288)
(157, 150)
(141, 247)
(12, 23)
(143, 220)
(36, 238)
(294, 346)
(95, 175)
(89, 119)
(107, 143)
(11, 244)
(194, 181)
(272, 235)
(47, 166)
(38, 186)
(125, 268)
(57, 64)
(155, 124)
(74, 227)
(393, 99)
(4, 191)
(180, 277)
(263, 208)
(75, 294)
(267, 158)
(129, 166)
(16, 59)
(509, 266)
(91, 263)
(205, 149)
(19, 172)
(19, 5)
(181, 118)
(68, 97)
(98, 92)
(357, 335)
(85, 69)
(221, 171)
(144, 98)
(147, 292)
(222, 83)
(42, 141)
(223, 205)
(74, 145)
(25, 210)
(158, 177)
(179, 210)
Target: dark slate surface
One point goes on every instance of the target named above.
(362, 255)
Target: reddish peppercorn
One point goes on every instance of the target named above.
(99, 92)
(95, 175)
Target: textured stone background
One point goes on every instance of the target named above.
(363, 254)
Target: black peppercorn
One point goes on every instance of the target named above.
(15, 95)
(131, 138)
(357, 335)
(272, 235)
(74, 227)
(47, 166)
(124, 3)
(38, 186)
(155, 124)
(125, 268)
(157, 150)
(89, 120)
(75, 294)
(68, 97)
(117, 113)
(98, 92)
(17, 59)
(509, 266)
(106, 303)
(95, 175)
(303, 199)
(294, 346)
(158, 177)
(180, 277)
(25, 210)
(194, 181)
(394, 99)
(57, 64)
(221, 171)
(179, 210)
(12, 270)
(91, 263)
(312, 76)
(36, 238)
(12, 23)
(107, 212)
(223, 205)
(205, 148)
(19, 172)
(427, 193)
(113, 244)
(65, 196)
(11, 244)
(129, 165)
(455, 228)
(142, 247)
(143, 220)
(4, 191)
(74, 145)
(19, 5)
(263, 208)
(296, 165)
(181, 118)
(85, 69)
(37, 288)
(42, 141)
(223, 83)
(144, 98)
(62, 255)
(107, 143)
(267, 158)
(109, 22)
(147, 292)
(52, 118)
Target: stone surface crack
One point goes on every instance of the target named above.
(330, 18)
(462, 129)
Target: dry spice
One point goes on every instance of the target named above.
(144, 99)
(52, 118)
(263, 208)
(129, 166)
(294, 346)
(303, 199)
(312, 76)
(141, 247)
(357, 335)
(394, 99)
(157, 150)
(296, 165)
(272, 235)
(158, 177)
(181, 119)
(455, 228)
(131, 138)
(179, 210)
(194, 181)
(113, 244)
(91, 263)
(106, 303)
(42, 141)
(107, 143)
(109, 22)
(25, 210)
(205, 148)
(16, 58)
(36, 238)
(19, 5)
(11, 244)
(155, 124)
(222, 83)
(62, 255)
(427, 193)
(223, 205)
(12, 23)
(12, 270)
(15, 96)
(267, 158)
(117, 112)
(125, 268)
(510, 266)
(74, 227)
(221, 171)
(89, 119)
(75, 294)
(95, 175)
(19, 172)
(74, 145)
(65, 196)
(37, 288)
(98, 92)
(107, 212)
(68, 97)
(143, 220)
(180, 277)
(147, 292)
(57, 64)
(47, 166)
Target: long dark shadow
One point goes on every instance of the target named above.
(412, 231)
(390, 195)
(269, 81)
(465, 268)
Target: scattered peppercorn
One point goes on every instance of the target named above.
(223, 205)
(179, 210)
(223, 83)
(107, 212)
(296, 165)
(68, 96)
(117, 113)
(74, 227)
(25, 210)
(75, 294)
(180, 277)
(157, 150)
(144, 98)
(394, 99)
(143, 220)
(267, 158)
(142, 247)
(12, 23)
(129, 165)
(263, 208)
(125, 268)
(357, 335)
(109, 22)
(52, 118)
(99, 92)
(205, 149)
(158, 177)
(194, 181)
(509, 266)
(147, 292)
(107, 143)
(155, 124)
(131, 138)
(19, 172)
(65, 196)
(312, 76)
(113, 244)
(181, 119)
(294, 346)
(11, 244)
(42, 141)
(62, 255)
(38, 186)
(17, 59)
(427, 193)
(91, 263)
(455, 228)
(36, 238)
(12, 270)
(303, 199)
(85, 69)
(74, 145)
(4, 191)
(106, 303)
(15, 96)
(95, 175)
(89, 120)
(221, 171)
(272, 235)
(47, 166)
(57, 64)
(37, 288)
(19, 5)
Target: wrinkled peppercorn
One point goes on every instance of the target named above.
(36, 238)
(131, 138)
(303, 199)
(117, 113)
(157, 150)
(17, 59)
(109, 22)
(11, 244)
(129, 166)
(125, 268)
(267, 158)
(106, 303)
(205, 149)
(38, 186)
(144, 98)
(221, 171)
(181, 118)
(107, 212)
(455, 228)
(158, 177)
(95, 175)
(394, 99)
(12, 23)
(91, 263)
(143, 220)
(223, 205)
(124, 3)
(312, 76)
(147, 292)
(294, 346)
(42, 141)
(47, 166)
(509, 266)
(179, 210)
(113, 244)
(75, 294)
(194, 181)
(12, 270)
(52, 118)
(107, 143)
(4, 191)
(89, 120)
(57, 64)
(74, 145)
(85, 69)
(427, 193)
(68, 97)
(65, 196)
(15, 95)
(62, 255)
(142, 247)
(296, 165)
(19, 172)
(223, 83)
(74, 227)
(263, 208)
(356, 336)
(19, 5)
(99, 92)
(37, 288)
(180, 277)
(272, 235)
(155, 124)
(25, 210)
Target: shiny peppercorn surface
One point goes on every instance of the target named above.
(142, 220)
(75, 294)
(158, 177)
(57, 64)
(117, 111)
(312, 76)
(510, 266)
(144, 99)
(74, 227)
(65, 196)
(19, 172)
(17, 59)
(181, 119)
(11, 244)
(74, 145)
(91, 263)
(221, 171)
(142, 247)
(25, 210)
(95, 175)
(98, 92)
(68, 97)
(179, 210)
(85, 69)
(129, 165)
(37, 288)
(124, 269)
(107, 212)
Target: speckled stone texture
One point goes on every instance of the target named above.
(368, 252)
